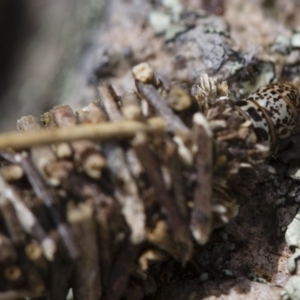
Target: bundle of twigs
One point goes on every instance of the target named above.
(96, 200)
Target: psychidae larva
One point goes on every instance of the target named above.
(273, 111)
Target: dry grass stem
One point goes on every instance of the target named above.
(100, 132)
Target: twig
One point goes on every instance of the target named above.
(108, 103)
(81, 187)
(42, 156)
(126, 190)
(12, 172)
(180, 230)
(201, 214)
(108, 99)
(99, 132)
(11, 221)
(60, 277)
(121, 271)
(45, 193)
(7, 209)
(159, 103)
(86, 278)
(28, 220)
(8, 155)
(134, 165)
(175, 166)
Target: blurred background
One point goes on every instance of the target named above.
(55, 51)
(44, 44)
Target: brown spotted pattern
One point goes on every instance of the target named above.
(273, 110)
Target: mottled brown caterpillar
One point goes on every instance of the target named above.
(273, 111)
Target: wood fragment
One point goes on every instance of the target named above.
(91, 114)
(33, 278)
(16, 269)
(11, 172)
(178, 98)
(62, 150)
(8, 252)
(86, 278)
(28, 123)
(131, 107)
(34, 253)
(80, 187)
(86, 153)
(43, 156)
(58, 171)
(18, 294)
(163, 239)
(150, 256)
(143, 73)
(12, 276)
(12, 273)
